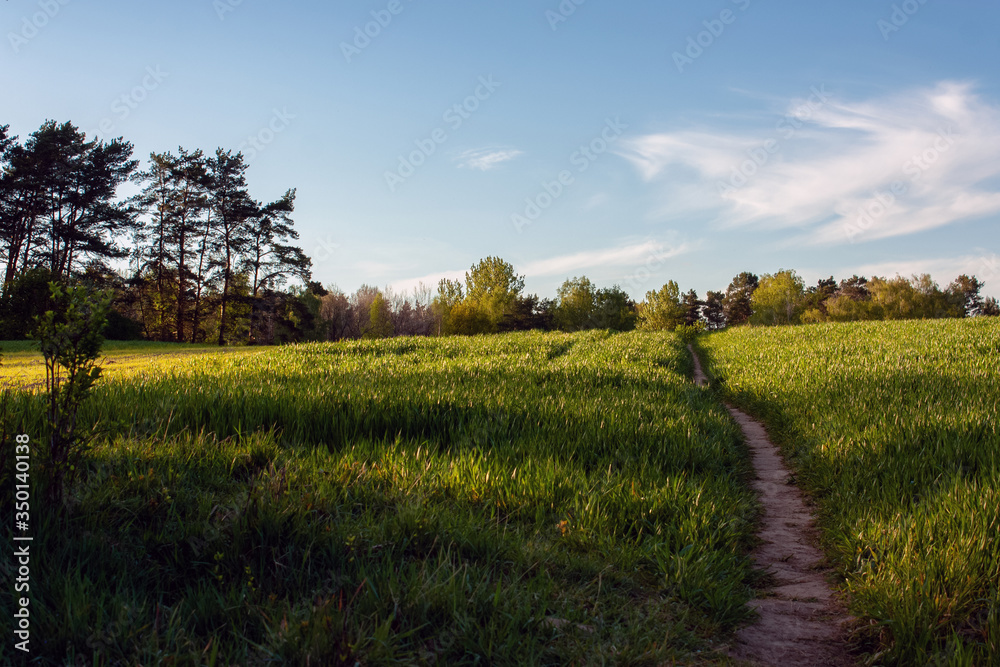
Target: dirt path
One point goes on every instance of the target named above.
(801, 622)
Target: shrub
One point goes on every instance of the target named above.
(70, 340)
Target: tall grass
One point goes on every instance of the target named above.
(893, 427)
(518, 499)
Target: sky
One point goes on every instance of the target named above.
(633, 142)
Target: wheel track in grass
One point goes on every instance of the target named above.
(800, 621)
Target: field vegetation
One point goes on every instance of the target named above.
(893, 428)
(519, 499)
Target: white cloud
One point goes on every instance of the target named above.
(833, 177)
(485, 159)
(628, 255)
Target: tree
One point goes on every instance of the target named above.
(70, 340)
(25, 298)
(662, 310)
(231, 207)
(614, 309)
(58, 200)
(842, 308)
(493, 286)
(469, 319)
(713, 310)
(335, 313)
(855, 288)
(990, 307)
(778, 299)
(692, 308)
(576, 304)
(176, 201)
(380, 318)
(449, 295)
(965, 291)
(895, 299)
(529, 312)
(737, 304)
(270, 259)
(817, 296)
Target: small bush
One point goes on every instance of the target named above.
(70, 340)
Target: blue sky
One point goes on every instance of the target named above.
(633, 142)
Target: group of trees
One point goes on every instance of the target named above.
(491, 299)
(782, 298)
(205, 261)
(194, 258)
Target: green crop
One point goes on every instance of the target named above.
(518, 499)
(893, 427)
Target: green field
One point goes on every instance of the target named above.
(520, 499)
(23, 366)
(893, 428)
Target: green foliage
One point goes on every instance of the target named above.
(917, 298)
(614, 310)
(737, 302)
(121, 327)
(713, 310)
(525, 499)
(893, 429)
(582, 306)
(688, 332)
(449, 295)
(469, 319)
(380, 325)
(663, 310)
(493, 286)
(70, 340)
(577, 301)
(23, 299)
(778, 299)
(902, 299)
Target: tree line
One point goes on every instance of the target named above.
(491, 299)
(205, 260)
(193, 257)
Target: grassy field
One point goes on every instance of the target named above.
(893, 427)
(23, 365)
(520, 499)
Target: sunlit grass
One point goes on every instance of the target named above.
(23, 367)
(518, 499)
(894, 429)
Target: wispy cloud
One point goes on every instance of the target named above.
(627, 255)
(853, 171)
(485, 159)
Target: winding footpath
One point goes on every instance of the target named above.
(800, 621)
